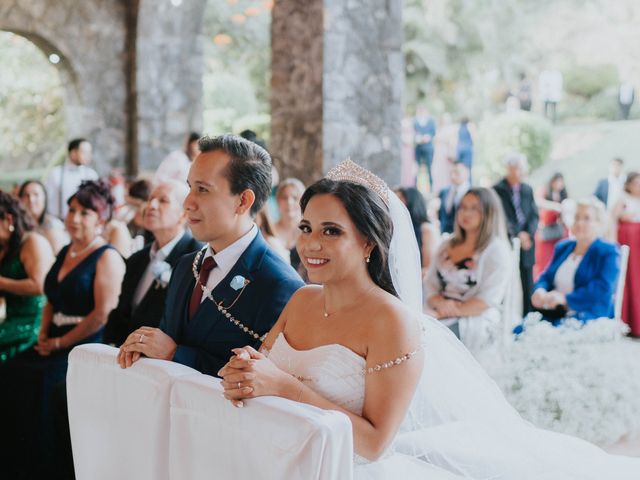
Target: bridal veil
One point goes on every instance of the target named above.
(460, 420)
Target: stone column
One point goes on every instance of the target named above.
(296, 88)
(363, 79)
(360, 88)
(169, 77)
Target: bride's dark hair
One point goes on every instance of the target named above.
(370, 216)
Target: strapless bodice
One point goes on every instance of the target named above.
(333, 371)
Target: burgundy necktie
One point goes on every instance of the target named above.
(208, 265)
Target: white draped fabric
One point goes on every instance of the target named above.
(119, 419)
(269, 438)
(163, 421)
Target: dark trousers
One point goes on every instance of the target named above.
(424, 156)
(625, 109)
(550, 111)
(526, 278)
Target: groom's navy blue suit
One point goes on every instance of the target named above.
(205, 341)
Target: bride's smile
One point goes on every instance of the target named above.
(329, 237)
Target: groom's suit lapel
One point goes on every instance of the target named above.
(207, 316)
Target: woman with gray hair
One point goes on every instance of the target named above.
(581, 278)
(466, 282)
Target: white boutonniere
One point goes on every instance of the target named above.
(238, 282)
(161, 272)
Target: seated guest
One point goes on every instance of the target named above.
(34, 198)
(82, 288)
(25, 259)
(144, 287)
(117, 235)
(288, 197)
(451, 195)
(468, 277)
(175, 166)
(265, 225)
(131, 212)
(427, 235)
(581, 278)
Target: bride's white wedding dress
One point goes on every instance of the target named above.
(336, 373)
(499, 447)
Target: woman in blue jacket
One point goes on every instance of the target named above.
(580, 280)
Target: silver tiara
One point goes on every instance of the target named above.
(349, 171)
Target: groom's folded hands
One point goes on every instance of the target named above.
(148, 341)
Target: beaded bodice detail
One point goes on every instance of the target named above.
(333, 371)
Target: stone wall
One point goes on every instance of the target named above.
(169, 76)
(89, 36)
(132, 121)
(363, 77)
(336, 78)
(340, 99)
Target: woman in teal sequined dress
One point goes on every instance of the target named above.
(25, 259)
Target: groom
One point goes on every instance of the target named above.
(247, 284)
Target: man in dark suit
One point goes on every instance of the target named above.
(608, 189)
(230, 294)
(522, 219)
(144, 287)
(451, 195)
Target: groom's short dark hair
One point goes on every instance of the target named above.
(249, 166)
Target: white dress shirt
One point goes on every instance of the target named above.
(62, 182)
(227, 258)
(616, 187)
(156, 255)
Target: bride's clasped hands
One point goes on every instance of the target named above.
(250, 373)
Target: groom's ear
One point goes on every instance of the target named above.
(247, 198)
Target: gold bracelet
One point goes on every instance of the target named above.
(57, 343)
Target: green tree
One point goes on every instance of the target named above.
(32, 124)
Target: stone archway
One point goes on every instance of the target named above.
(33, 103)
(92, 66)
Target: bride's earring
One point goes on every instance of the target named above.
(12, 228)
(368, 258)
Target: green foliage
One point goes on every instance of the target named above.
(519, 131)
(236, 80)
(590, 80)
(577, 109)
(32, 124)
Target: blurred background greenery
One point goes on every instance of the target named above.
(462, 57)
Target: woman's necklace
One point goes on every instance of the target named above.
(80, 252)
(327, 314)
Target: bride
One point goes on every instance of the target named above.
(420, 406)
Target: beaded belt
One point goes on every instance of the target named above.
(60, 319)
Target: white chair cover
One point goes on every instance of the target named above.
(269, 438)
(119, 419)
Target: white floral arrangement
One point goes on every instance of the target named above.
(161, 272)
(582, 380)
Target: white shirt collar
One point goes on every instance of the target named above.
(162, 253)
(227, 257)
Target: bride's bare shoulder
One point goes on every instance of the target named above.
(393, 317)
(304, 295)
